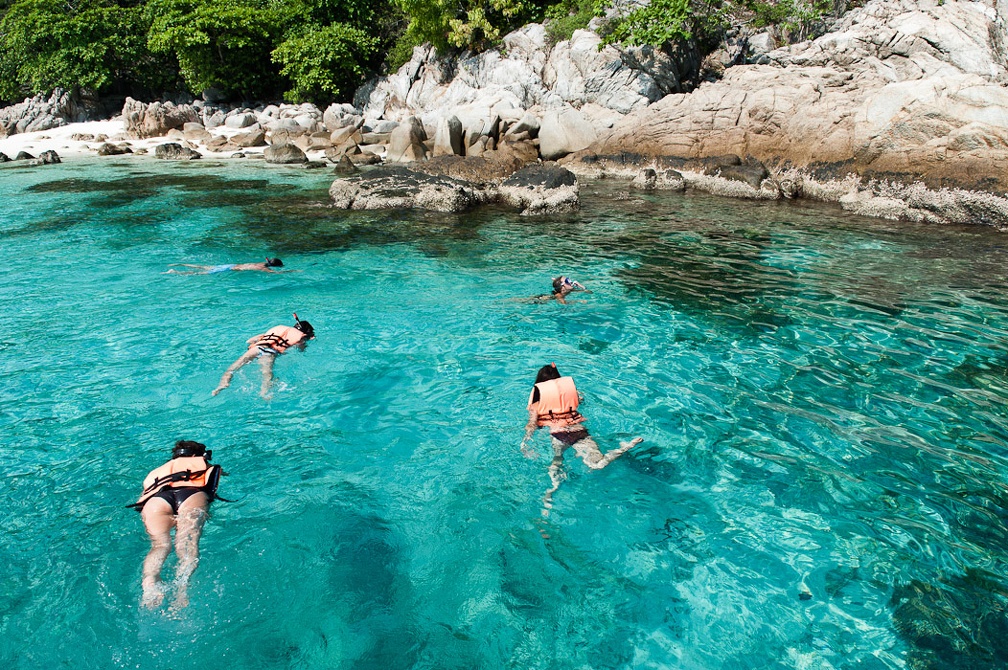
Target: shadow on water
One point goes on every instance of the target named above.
(719, 275)
(132, 201)
(960, 623)
(320, 228)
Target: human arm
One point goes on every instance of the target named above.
(530, 429)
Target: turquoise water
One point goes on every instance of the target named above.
(822, 400)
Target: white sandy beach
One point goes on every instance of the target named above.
(59, 140)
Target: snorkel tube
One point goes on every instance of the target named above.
(304, 327)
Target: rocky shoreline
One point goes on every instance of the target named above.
(900, 112)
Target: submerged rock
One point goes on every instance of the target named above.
(402, 188)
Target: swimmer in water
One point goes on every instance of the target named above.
(176, 495)
(553, 402)
(265, 266)
(562, 287)
(266, 347)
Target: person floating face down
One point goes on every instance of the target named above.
(176, 495)
(553, 403)
(266, 347)
(265, 266)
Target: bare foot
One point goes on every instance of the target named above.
(153, 595)
(624, 446)
(218, 390)
(181, 601)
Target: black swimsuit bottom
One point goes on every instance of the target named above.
(176, 495)
(571, 437)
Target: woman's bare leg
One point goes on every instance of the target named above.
(158, 520)
(192, 515)
(593, 457)
(245, 359)
(556, 475)
(266, 363)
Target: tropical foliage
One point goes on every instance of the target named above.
(320, 50)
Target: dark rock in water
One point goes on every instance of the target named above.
(959, 622)
(753, 174)
(546, 176)
(24, 156)
(176, 152)
(402, 188)
(480, 169)
(109, 149)
(345, 166)
(284, 154)
(49, 157)
(314, 165)
(4, 158)
(541, 189)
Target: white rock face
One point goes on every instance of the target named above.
(904, 87)
(524, 75)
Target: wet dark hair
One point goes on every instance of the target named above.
(274, 263)
(190, 448)
(547, 372)
(558, 284)
(305, 328)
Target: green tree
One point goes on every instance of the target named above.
(89, 44)
(325, 64)
(224, 44)
(469, 24)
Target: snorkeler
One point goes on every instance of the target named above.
(176, 495)
(266, 347)
(553, 402)
(562, 287)
(265, 266)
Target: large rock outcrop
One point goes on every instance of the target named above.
(142, 120)
(533, 190)
(42, 113)
(526, 72)
(900, 89)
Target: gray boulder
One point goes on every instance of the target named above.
(24, 156)
(284, 154)
(175, 152)
(254, 136)
(42, 112)
(564, 131)
(402, 188)
(143, 120)
(109, 149)
(448, 137)
(406, 142)
(49, 157)
(338, 115)
(541, 189)
(240, 120)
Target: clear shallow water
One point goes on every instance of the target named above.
(821, 397)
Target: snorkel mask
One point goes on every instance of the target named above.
(304, 327)
(187, 448)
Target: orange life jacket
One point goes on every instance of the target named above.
(189, 471)
(558, 403)
(279, 338)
